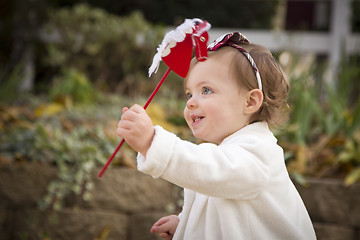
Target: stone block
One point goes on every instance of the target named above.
(334, 232)
(329, 201)
(70, 224)
(24, 184)
(140, 225)
(121, 195)
(5, 222)
(127, 190)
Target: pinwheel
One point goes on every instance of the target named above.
(176, 50)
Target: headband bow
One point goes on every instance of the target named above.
(233, 40)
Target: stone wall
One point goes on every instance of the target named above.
(333, 207)
(126, 203)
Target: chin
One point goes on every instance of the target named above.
(204, 138)
(198, 136)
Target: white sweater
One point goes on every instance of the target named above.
(239, 189)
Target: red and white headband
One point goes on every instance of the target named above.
(233, 40)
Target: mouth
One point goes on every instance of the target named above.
(196, 119)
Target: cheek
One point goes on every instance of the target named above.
(186, 115)
(214, 109)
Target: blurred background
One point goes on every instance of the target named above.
(67, 67)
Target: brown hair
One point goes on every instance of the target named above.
(275, 85)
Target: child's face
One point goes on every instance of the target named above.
(215, 106)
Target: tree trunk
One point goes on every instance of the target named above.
(25, 24)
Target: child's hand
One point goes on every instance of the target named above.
(136, 128)
(166, 226)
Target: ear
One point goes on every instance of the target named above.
(254, 99)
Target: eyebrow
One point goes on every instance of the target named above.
(198, 84)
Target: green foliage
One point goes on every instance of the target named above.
(344, 104)
(73, 85)
(9, 82)
(349, 156)
(75, 141)
(75, 154)
(107, 48)
(227, 13)
(321, 138)
(304, 107)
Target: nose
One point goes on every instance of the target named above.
(192, 102)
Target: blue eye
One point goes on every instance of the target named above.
(206, 90)
(188, 95)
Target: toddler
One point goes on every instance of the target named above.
(236, 185)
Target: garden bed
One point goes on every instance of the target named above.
(125, 203)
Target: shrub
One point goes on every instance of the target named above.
(10, 80)
(321, 138)
(72, 86)
(74, 140)
(106, 48)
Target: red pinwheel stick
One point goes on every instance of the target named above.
(145, 106)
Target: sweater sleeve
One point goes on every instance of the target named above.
(238, 170)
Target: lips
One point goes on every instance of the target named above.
(196, 119)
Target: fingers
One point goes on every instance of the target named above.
(156, 227)
(125, 124)
(136, 128)
(128, 116)
(163, 225)
(137, 108)
(161, 221)
(123, 128)
(165, 236)
(131, 113)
